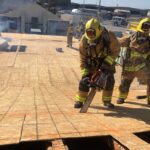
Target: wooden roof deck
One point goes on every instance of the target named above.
(37, 89)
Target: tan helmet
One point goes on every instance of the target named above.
(144, 25)
(93, 29)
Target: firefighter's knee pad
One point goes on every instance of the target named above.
(110, 83)
(83, 86)
(125, 85)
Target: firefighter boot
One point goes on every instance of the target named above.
(120, 101)
(106, 98)
(78, 104)
(108, 105)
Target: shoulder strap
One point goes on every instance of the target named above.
(87, 45)
(128, 48)
(106, 38)
(149, 41)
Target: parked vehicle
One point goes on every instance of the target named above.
(118, 33)
(119, 21)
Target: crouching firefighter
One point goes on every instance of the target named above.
(98, 47)
(137, 60)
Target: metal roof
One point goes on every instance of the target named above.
(9, 5)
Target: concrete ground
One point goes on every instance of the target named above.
(37, 89)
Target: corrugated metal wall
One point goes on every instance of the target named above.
(57, 27)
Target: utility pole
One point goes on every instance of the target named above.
(83, 3)
(99, 7)
(117, 3)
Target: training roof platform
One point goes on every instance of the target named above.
(39, 78)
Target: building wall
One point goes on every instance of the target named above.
(33, 10)
(57, 27)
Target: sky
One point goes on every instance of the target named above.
(142, 4)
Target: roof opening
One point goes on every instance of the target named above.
(144, 136)
(36, 145)
(93, 143)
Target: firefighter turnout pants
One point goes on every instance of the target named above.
(69, 40)
(127, 79)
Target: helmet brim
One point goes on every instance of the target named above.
(140, 30)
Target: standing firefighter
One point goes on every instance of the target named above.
(97, 46)
(137, 60)
(70, 31)
(81, 29)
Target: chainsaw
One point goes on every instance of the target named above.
(97, 83)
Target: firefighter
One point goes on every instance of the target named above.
(70, 31)
(81, 29)
(97, 45)
(137, 60)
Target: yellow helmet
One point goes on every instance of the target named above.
(144, 25)
(93, 29)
